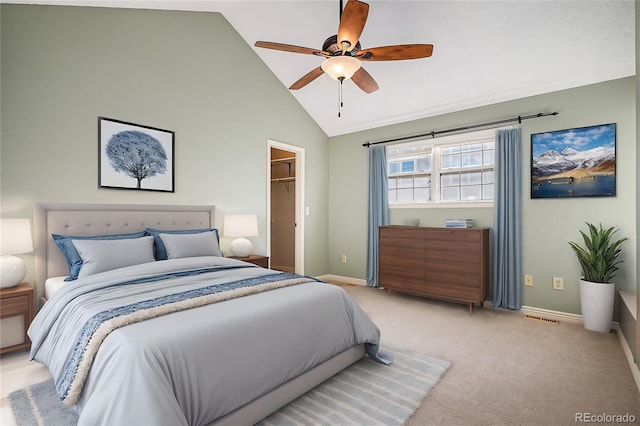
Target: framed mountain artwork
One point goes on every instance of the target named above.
(579, 162)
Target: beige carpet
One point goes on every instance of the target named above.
(507, 370)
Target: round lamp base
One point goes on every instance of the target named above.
(12, 271)
(241, 247)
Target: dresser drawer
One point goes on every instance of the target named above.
(454, 235)
(402, 232)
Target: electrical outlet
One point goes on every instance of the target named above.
(528, 280)
(344, 258)
(558, 283)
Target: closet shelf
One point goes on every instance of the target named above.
(284, 160)
(284, 179)
(289, 174)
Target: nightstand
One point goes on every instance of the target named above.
(16, 301)
(262, 261)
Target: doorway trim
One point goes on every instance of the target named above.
(299, 202)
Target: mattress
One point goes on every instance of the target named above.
(53, 284)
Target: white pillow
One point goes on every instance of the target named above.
(190, 245)
(105, 255)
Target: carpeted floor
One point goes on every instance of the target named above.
(507, 370)
(365, 393)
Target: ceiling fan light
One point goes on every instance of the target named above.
(343, 66)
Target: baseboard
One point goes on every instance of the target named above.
(343, 279)
(635, 372)
(550, 314)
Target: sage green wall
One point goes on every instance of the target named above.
(62, 67)
(548, 224)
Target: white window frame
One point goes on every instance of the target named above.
(481, 136)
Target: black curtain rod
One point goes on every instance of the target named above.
(457, 129)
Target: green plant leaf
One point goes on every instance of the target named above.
(598, 258)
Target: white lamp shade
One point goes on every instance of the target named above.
(340, 66)
(15, 236)
(240, 225)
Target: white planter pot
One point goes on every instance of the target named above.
(596, 302)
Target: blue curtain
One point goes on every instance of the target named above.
(507, 209)
(378, 208)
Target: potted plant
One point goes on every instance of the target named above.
(599, 264)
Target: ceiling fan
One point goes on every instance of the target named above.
(343, 52)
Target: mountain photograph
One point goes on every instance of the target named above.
(574, 162)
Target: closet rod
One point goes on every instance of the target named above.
(472, 126)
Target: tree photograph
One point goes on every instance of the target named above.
(135, 157)
(136, 154)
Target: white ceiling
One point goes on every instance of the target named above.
(484, 51)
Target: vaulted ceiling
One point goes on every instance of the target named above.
(484, 51)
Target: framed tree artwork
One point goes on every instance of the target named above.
(133, 156)
(579, 162)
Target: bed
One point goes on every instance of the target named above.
(194, 339)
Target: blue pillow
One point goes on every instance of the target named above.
(74, 261)
(160, 251)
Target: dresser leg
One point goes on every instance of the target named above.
(470, 308)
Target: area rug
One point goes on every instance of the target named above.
(366, 393)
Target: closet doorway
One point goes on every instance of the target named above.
(285, 197)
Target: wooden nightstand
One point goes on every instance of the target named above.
(17, 301)
(262, 261)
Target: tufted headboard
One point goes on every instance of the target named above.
(101, 219)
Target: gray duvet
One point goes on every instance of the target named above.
(191, 366)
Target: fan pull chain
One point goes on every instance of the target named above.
(340, 103)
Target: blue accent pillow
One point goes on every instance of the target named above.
(74, 261)
(160, 251)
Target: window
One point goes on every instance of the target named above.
(453, 169)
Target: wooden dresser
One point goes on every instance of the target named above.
(443, 263)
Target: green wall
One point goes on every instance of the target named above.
(62, 67)
(548, 224)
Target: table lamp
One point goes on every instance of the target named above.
(240, 226)
(15, 238)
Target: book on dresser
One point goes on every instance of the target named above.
(458, 223)
(442, 263)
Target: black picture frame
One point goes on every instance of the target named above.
(122, 167)
(577, 162)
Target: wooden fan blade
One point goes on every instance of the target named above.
(352, 21)
(396, 53)
(363, 80)
(289, 48)
(307, 78)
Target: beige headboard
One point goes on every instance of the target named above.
(101, 219)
